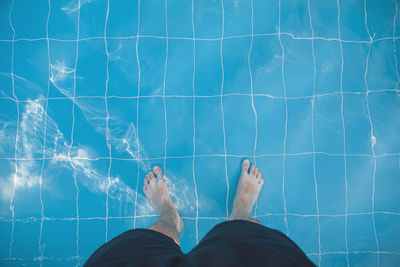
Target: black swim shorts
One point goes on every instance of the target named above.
(231, 243)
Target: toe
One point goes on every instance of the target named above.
(252, 169)
(157, 171)
(261, 182)
(259, 175)
(245, 165)
(151, 177)
(147, 180)
(256, 172)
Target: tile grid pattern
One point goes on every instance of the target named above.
(43, 218)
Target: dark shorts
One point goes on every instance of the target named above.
(231, 243)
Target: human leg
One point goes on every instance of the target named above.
(247, 192)
(155, 188)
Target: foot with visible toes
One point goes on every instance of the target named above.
(247, 192)
(156, 191)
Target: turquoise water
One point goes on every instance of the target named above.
(93, 93)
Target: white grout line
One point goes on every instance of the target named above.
(222, 111)
(286, 121)
(41, 245)
(16, 136)
(312, 135)
(107, 133)
(194, 126)
(344, 134)
(372, 135)
(137, 116)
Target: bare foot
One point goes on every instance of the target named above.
(247, 192)
(156, 191)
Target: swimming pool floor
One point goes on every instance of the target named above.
(94, 93)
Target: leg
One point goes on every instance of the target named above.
(248, 190)
(169, 223)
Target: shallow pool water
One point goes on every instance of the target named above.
(94, 93)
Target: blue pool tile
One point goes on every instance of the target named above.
(304, 231)
(8, 167)
(59, 108)
(299, 127)
(360, 233)
(240, 119)
(236, 65)
(5, 230)
(149, 125)
(92, 18)
(387, 232)
(92, 187)
(354, 66)
(266, 66)
(63, 21)
(180, 68)
(293, 165)
(265, 17)
(385, 122)
(91, 68)
(208, 70)
(6, 32)
(122, 67)
(26, 201)
(382, 73)
(57, 203)
(180, 128)
(328, 66)
(179, 19)
(5, 69)
(207, 19)
(323, 16)
(363, 259)
(352, 21)
(332, 234)
(91, 236)
(295, 19)
(387, 184)
(357, 125)
(330, 176)
(298, 67)
(31, 69)
(26, 239)
(62, 56)
(213, 199)
(90, 125)
(123, 126)
(270, 140)
(389, 259)
(271, 197)
(328, 125)
(29, 24)
(360, 172)
(151, 65)
(51, 237)
(122, 19)
(152, 18)
(206, 141)
(380, 14)
(122, 192)
(237, 16)
(335, 259)
(9, 130)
